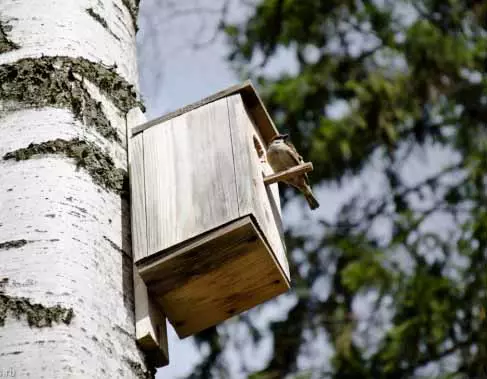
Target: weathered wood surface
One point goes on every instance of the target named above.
(253, 197)
(287, 174)
(189, 176)
(137, 186)
(252, 100)
(214, 239)
(150, 322)
(194, 257)
(226, 272)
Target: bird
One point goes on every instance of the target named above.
(282, 155)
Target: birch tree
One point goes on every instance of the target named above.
(68, 77)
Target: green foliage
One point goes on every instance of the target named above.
(412, 76)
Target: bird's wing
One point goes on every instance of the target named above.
(297, 158)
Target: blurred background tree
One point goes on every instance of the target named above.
(408, 78)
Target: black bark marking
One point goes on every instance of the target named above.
(11, 353)
(138, 370)
(3, 283)
(133, 8)
(53, 81)
(98, 164)
(98, 18)
(121, 330)
(37, 315)
(5, 44)
(115, 246)
(14, 244)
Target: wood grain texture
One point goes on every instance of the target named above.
(189, 176)
(287, 174)
(150, 324)
(229, 271)
(137, 187)
(252, 101)
(253, 197)
(184, 262)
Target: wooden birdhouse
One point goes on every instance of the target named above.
(207, 235)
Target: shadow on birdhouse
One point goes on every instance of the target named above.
(207, 235)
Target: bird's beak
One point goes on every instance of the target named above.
(284, 136)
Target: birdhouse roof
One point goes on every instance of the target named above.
(250, 97)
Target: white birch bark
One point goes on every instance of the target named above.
(64, 237)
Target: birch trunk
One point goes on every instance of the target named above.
(67, 79)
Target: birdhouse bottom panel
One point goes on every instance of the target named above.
(215, 276)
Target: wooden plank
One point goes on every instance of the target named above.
(287, 174)
(190, 178)
(253, 196)
(227, 281)
(160, 155)
(192, 106)
(150, 324)
(252, 101)
(196, 257)
(137, 187)
(243, 152)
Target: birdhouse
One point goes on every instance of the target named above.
(207, 235)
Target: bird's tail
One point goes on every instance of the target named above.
(313, 203)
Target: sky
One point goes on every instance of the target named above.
(177, 67)
(174, 73)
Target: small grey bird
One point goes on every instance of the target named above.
(282, 155)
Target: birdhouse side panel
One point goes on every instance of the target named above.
(272, 191)
(150, 323)
(253, 197)
(189, 176)
(137, 188)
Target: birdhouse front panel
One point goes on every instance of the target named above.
(189, 176)
(213, 243)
